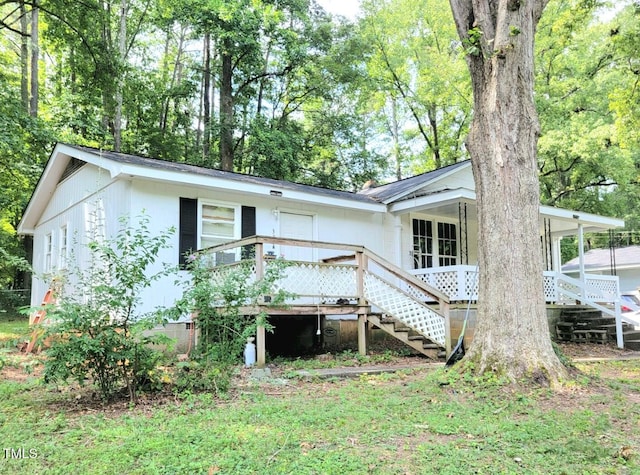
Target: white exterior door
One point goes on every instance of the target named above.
(296, 226)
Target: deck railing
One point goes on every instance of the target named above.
(331, 271)
(338, 273)
(601, 292)
(460, 283)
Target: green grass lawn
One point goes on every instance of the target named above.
(12, 328)
(415, 422)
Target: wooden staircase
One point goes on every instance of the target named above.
(587, 325)
(407, 335)
(405, 316)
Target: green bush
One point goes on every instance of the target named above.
(196, 376)
(223, 329)
(97, 333)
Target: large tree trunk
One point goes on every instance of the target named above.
(512, 332)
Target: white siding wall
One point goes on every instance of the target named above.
(161, 203)
(68, 208)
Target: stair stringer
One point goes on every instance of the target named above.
(404, 308)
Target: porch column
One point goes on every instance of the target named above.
(581, 251)
(398, 238)
(557, 254)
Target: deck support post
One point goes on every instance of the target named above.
(444, 309)
(261, 350)
(361, 262)
(362, 334)
(261, 358)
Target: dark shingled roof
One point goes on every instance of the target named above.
(232, 176)
(601, 258)
(399, 188)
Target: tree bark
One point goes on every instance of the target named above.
(226, 108)
(206, 98)
(24, 57)
(512, 335)
(35, 54)
(122, 53)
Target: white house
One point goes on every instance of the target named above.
(425, 225)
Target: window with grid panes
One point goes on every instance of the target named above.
(422, 244)
(447, 244)
(218, 224)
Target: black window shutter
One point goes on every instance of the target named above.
(248, 228)
(188, 229)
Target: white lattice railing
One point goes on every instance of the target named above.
(460, 283)
(457, 282)
(403, 307)
(370, 278)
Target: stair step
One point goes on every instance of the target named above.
(579, 313)
(633, 335)
(408, 336)
(632, 345)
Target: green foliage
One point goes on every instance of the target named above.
(472, 45)
(97, 333)
(417, 82)
(216, 296)
(584, 163)
(201, 375)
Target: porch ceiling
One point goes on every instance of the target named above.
(445, 204)
(565, 222)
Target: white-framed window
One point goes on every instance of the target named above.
(422, 243)
(447, 245)
(434, 243)
(219, 223)
(48, 252)
(64, 246)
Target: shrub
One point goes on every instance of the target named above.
(218, 301)
(96, 332)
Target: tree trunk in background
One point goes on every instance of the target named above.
(512, 332)
(226, 108)
(35, 53)
(206, 99)
(24, 57)
(122, 54)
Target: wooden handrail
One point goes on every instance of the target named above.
(403, 274)
(248, 241)
(441, 297)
